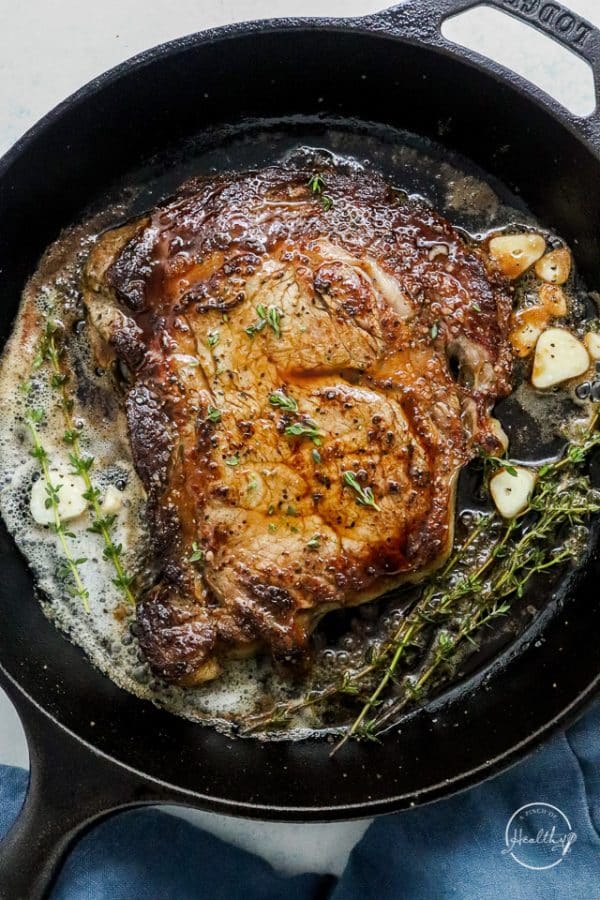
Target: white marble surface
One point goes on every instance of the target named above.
(49, 48)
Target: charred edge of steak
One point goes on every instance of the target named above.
(176, 639)
(150, 437)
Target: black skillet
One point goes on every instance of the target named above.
(95, 749)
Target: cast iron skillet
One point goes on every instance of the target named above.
(95, 749)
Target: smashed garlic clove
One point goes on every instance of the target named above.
(512, 492)
(499, 433)
(552, 298)
(112, 501)
(524, 338)
(554, 267)
(70, 498)
(515, 253)
(592, 342)
(559, 356)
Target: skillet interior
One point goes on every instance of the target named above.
(67, 164)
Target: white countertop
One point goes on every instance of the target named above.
(49, 48)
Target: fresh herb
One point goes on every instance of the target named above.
(314, 543)
(364, 496)
(197, 555)
(496, 462)
(280, 399)
(272, 527)
(304, 429)
(316, 184)
(213, 338)
(213, 414)
(274, 319)
(291, 510)
(270, 316)
(232, 460)
(251, 330)
(70, 565)
(434, 331)
(51, 351)
(316, 456)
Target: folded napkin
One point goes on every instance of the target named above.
(533, 832)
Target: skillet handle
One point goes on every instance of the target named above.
(422, 20)
(71, 788)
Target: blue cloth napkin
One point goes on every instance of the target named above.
(478, 845)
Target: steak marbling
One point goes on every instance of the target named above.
(308, 364)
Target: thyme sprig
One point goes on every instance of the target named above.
(52, 352)
(70, 564)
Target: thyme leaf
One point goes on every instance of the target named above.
(305, 429)
(316, 184)
(364, 496)
(197, 554)
(280, 399)
(270, 316)
(496, 462)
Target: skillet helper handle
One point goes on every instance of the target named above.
(71, 787)
(426, 17)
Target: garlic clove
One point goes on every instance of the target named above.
(554, 267)
(559, 356)
(512, 492)
(515, 253)
(524, 338)
(112, 501)
(70, 498)
(552, 298)
(592, 342)
(499, 433)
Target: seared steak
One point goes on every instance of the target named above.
(308, 363)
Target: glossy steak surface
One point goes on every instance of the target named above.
(307, 360)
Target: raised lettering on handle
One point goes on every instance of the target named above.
(556, 20)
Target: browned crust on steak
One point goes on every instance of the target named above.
(393, 343)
